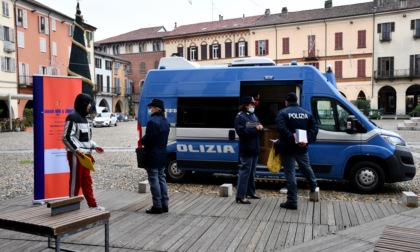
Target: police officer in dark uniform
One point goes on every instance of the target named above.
(155, 141)
(288, 120)
(247, 127)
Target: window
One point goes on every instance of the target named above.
(361, 68)
(116, 67)
(5, 8)
(54, 48)
(141, 48)
(311, 46)
(129, 48)
(329, 114)
(215, 51)
(241, 49)
(98, 63)
(43, 45)
(43, 25)
(415, 65)
(99, 82)
(192, 53)
(70, 30)
(89, 37)
(127, 87)
(116, 49)
(214, 112)
(23, 74)
(385, 30)
(286, 49)
(415, 26)
(180, 51)
(156, 46)
(338, 69)
(108, 65)
(108, 84)
(8, 64)
(228, 49)
(261, 47)
(21, 18)
(42, 70)
(203, 51)
(338, 41)
(385, 67)
(143, 67)
(117, 84)
(361, 39)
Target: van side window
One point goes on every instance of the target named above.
(206, 112)
(329, 114)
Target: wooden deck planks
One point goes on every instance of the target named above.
(212, 223)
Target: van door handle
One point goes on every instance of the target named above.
(232, 135)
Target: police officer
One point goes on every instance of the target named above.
(288, 121)
(247, 127)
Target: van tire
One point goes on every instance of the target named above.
(172, 173)
(366, 177)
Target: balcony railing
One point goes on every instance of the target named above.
(397, 74)
(8, 46)
(385, 36)
(25, 80)
(311, 55)
(105, 90)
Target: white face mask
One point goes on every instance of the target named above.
(251, 110)
(149, 111)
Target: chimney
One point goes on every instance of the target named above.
(284, 10)
(220, 17)
(175, 26)
(267, 12)
(328, 4)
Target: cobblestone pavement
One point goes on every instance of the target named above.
(117, 168)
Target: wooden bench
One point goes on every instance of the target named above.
(398, 239)
(45, 221)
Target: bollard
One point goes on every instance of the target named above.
(225, 190)
(410, 199)
(144, 187)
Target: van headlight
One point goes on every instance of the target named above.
(394, 140)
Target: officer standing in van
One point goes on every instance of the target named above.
(288, 121)
(247, 127)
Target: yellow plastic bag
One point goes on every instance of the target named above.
(86, 162)
(274, 162)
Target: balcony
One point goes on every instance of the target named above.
(25, 80)
(397, 74)
(105, 90)
(8, 46)
(310, 55)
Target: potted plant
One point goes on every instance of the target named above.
(28, 114)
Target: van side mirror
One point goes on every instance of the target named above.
(231, 135)
(351, 127)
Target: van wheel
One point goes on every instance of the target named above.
(366, 177)
(172, 172)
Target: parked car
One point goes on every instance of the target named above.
(105, 119)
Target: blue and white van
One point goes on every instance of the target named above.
(202, 102)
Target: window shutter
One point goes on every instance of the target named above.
(267, 46)
(188, 53)
(219, 51)
(12, 35)
(236, 49)
(246, 49)
(379, 28)
(1, 33)
(228, 50)
(203, 52)
(27, 73)
(391, 65)
(39, 23)
(47, 26)
(412, 25)
(392, 26)
(256, 48)
(13, 66)
(25, 19)
(40, 70)
(3, 59)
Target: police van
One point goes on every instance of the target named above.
(201, 103)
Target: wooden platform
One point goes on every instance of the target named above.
(211, 223)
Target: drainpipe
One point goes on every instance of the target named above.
(277, 41)
(49, 40)
(373, 59)
(17, 69)
(326, 42)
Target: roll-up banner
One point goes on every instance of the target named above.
(53, 99)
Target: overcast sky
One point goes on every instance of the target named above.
(115, 17)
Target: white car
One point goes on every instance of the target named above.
(105, 119)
